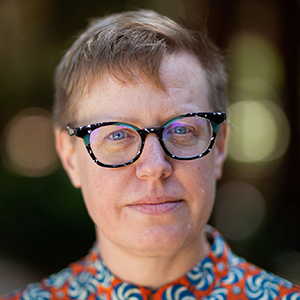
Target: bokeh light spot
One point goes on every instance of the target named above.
(239, 210)
(29, 143)
(254, 56)
(253, 88)
(260, 132)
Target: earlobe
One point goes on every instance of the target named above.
(220, 150)
(68, 156)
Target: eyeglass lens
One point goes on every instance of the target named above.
(118, 144)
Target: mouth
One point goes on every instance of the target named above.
(156, 207)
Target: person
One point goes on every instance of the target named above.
(140, 128)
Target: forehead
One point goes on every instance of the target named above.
(182, 70)
(185, 90)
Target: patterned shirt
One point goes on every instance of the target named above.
(220, 275)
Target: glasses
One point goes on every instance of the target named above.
(118, 144)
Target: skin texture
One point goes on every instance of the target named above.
(147, 249)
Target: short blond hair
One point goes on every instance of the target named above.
(119, 44)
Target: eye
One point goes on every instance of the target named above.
(117, 135)
(180, 130)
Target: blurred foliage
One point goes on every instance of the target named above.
(43, 220)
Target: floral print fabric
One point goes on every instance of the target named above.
(219, 276)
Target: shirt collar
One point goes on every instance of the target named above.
(201, 277)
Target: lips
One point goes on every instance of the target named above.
(155, 206)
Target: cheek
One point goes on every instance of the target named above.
(98, 200)
(102, 190)
(198, 175)
(200, 184)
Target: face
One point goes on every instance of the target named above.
(156, 205)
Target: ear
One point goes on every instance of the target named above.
(220, 150)
(68, 156)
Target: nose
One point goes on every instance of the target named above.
(152, 162)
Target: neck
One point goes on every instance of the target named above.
(152, 270)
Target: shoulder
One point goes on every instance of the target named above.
(53, 285)
(235, 278)
(71, 281)
(247, 280)
(88, 278)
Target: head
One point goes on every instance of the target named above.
(144, 69)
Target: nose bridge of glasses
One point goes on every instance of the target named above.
(152, 130)
(156, 130)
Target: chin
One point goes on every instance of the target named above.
(162, 240)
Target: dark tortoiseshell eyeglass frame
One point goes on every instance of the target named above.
(215, 118)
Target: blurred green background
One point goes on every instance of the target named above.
(43, 221)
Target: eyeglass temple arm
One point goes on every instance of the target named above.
(70, 130)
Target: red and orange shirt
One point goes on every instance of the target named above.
(220, 275)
